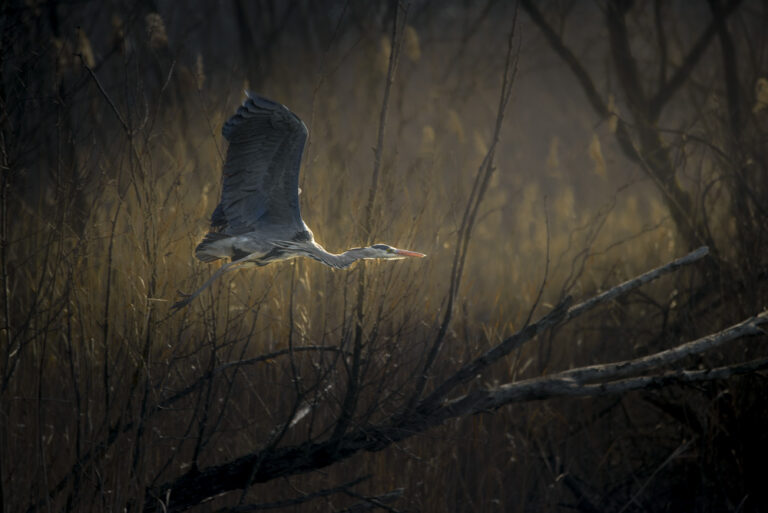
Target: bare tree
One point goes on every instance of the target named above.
(641, 137)
(269, 392)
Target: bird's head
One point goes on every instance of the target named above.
(390, 253)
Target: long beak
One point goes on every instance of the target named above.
(405, 252)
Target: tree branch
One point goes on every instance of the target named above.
(628, 367)
(567, 55)
(574, 382)
(624, 60)
(482, 178)
(661, 38)
(561, 313)
(349, 404)
(195, 487)
(587, 84)
(690, 61)
(628, 285)
(730, 69)
(272, 462)
(559, 386)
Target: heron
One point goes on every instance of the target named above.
(258, 220)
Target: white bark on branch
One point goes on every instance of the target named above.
(557, 386)
(576, 382)
(629, 367)
(628, 285)
(558, 315)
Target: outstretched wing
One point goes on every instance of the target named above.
(260, 189)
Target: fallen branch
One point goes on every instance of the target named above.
(634, 283)
(590, 381)
(560, 314)
(559, 386)
(629, 367)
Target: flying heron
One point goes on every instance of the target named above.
(258, 220)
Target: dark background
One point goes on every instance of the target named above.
(636, 132)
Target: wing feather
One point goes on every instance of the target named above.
(260, 187)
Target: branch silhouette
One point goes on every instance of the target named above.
(589, 381)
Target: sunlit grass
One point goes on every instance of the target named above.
(100, 351)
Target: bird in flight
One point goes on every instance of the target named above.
(258, 220)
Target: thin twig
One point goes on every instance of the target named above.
(349, 403)
(106, 96)
(676, 453)
(546, 267)
(482, 178)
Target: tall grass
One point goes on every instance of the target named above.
(105, 394)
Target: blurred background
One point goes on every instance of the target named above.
(636, 132)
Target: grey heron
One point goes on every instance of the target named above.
(258, 220)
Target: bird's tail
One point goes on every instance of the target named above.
(210, 248)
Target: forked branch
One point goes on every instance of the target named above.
(578, 382)
(561, 313)
(612, 378)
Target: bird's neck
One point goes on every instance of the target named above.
(339, 261)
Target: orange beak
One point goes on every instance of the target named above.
(405, 252)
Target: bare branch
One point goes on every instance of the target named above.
(582, 75)
(169, 401)
(106, 96)
(558, 386)
(625, 287)
(401, 17)
(676, 453)
(682, 73)
(624, 60)
(730, 68)
(470, 370)
(194, 487)
(561, 313)
(349, 404)
(482, 178)
(661, 37)
(568, 56)
(272, 462)
(629, 367)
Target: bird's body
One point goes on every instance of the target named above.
(258, 220)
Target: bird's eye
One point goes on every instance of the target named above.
(390, 250)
